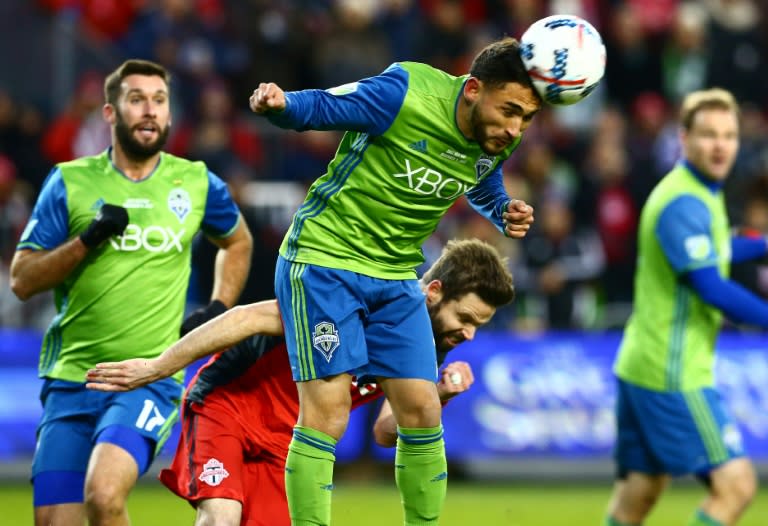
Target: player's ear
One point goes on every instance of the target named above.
(472, 89)
(434, 292)
(108, 112)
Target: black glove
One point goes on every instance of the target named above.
(202, 315)
(110, 221)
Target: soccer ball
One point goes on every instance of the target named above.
(565, 57)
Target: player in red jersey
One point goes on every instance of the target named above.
(240, 409)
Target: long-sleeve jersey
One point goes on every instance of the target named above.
(401, 164)
(682, 285)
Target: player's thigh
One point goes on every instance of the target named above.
(64, 443)
(218, 512)
(70, 514)
(65, 432)
(634, 496)
(265, 503)
(664, 420)
(112, 472)
(323, 319)
(149, 411)
(210, 466)
(415, 402)
(631, 450)
(59, 471)
(398, 333)
(325, 404)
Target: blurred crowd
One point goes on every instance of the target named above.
(587, 168)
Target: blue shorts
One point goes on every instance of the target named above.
(73, 418)
(674, 433)
(337, 321)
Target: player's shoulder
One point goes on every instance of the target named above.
(420, 68)
(429, 82)
(424, 73)
(170, 161)
(81, 165)
(680, 184)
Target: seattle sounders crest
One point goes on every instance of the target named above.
(325, 339)
(179, 203)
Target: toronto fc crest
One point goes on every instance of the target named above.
(213, 472)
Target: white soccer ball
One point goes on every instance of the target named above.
(565, 57)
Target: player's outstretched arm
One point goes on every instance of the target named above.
(456, 378)
(219, 333)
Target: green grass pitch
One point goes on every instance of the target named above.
(467, 505)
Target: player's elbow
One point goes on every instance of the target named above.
(21, 284)
(384, 436)
(22, 290)
(263, 317)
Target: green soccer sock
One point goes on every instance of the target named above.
(309, 477)
(421, 473)
(700, 518)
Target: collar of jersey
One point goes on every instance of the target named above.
(714, 186)
(118, 170)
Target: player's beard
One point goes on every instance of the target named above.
(134, 149)
(441, 335)
(479, 132)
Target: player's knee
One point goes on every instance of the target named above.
(735, 483)
(742, 489)
(425, 414)
(329, 414)
(745, 492)
(104, 501)
(331, 421)
(634, 498)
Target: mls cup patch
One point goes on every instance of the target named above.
(213, 473)
(179, 203)
(325, 339)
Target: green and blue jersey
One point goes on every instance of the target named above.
(401, 164)
(126, 300)
(669, 342)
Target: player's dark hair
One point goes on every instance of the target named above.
(499, 63)
(132, 67)
(471, 265)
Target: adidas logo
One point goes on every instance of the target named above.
(98, 204)
(419, 146)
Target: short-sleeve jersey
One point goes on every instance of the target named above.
(126, 299)
(669, 341)
(388, 185)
